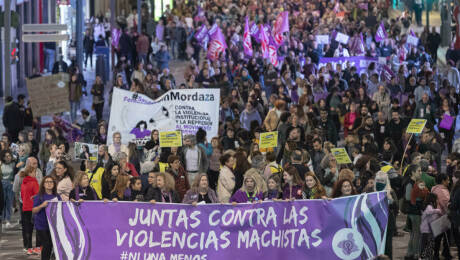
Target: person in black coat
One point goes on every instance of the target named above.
(109, 178)
(13, 118)
(60, 66)
(88, 45)
(165, 189)
(82, 191)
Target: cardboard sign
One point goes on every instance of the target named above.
(85, 151)
(322, 39)
(412, 40)
(268, 139)
(416, 126)
(171, 139)
(341, 155)
(49, 94)
(342, 38)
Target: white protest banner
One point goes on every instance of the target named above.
(322, 39)
(412, 40)
(342, 38)
(135, 116)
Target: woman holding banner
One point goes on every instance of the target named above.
(121, 190)
(200, 192)
(313, 188)
(63, 174)
(166, 192)
(82, 191)
(343, 188)
(249, 191)
(226, 181)
(47, 191)
(293, 184)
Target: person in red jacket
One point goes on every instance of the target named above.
(349, 119)
(180, 175)
(126, 166)
(29, 188)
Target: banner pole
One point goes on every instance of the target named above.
(405, 150)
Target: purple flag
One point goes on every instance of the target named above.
(254, 29)
(333, 35)
(381, 33)
(116, 34)
(199, 14)
(281, 25)
(412, 33)
(363, 6)
(355, 228)
(217, 43)
(387, 73)
(360, 50)
(247, 39)
(264, 41)
(201, 35)
(336, 7)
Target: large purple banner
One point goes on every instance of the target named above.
(346, 228)
(360, 62)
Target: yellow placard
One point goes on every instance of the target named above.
(163, 166)
(171, 139)
(341, 155)
(268, 139)
(416, 126)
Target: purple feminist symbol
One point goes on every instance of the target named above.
(348, 245)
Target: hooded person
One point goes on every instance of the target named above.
(250, 191)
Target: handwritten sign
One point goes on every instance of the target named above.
(416, 126)
(341, 155)
(322, 39)
(268, 139)
(412, 40)
(342, 38)
(171, 139)
(49, 94)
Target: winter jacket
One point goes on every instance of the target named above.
(242, 197)
(181, 180)
(202, 158)
(13, 118)
(429, 215)
(443, 195)
(192, 196)
(106, 188)
(454, 207)
(294, 192)
(225, 184)
(29, 189)
(84, 194)
(247, 117)
(157, 196)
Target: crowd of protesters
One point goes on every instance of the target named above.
(314, 109)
